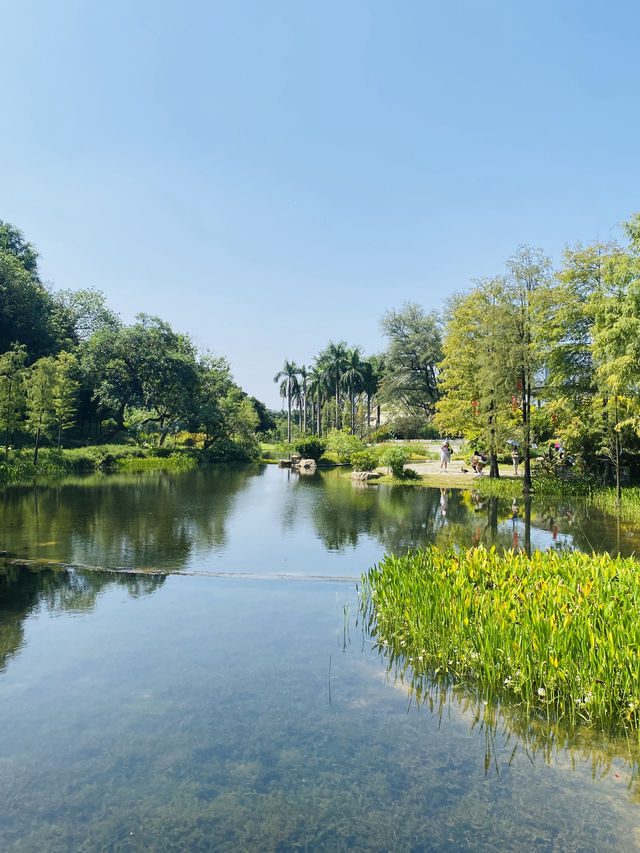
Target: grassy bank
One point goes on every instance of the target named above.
(559, 632)
(53, 464)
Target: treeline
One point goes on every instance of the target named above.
(71, 371)
(343, 389)
(527, 356)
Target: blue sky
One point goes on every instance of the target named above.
(272, 176)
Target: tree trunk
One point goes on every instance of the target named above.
(289, 411)
(353, 412)
(617, 455)
(494, 472)
(35, 449)
(527, 524)
(526, 434)
(6, 437)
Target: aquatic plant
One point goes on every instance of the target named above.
(559, 631)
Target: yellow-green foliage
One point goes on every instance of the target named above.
(560, 631)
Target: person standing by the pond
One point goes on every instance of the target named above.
(514, 456)
(445, 455)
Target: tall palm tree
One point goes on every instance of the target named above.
(369, 387)
(317, 389)
(333, 360)
(303, 373)
(351, 380)
(288, 388)
(378, 368)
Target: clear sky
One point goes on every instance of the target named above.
(269, 176)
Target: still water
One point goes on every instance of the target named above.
(238, 704)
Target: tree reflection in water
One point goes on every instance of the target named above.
(25, 590)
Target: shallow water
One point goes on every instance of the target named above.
(251, 711)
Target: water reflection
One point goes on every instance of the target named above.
(511, 730)
(129, 521)
(27, 590)
(260, 518)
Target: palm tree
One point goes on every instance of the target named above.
(333, 361)
(378, 367)
(303, 373)
(288, 388)
(352, 378)
(317, 388)
(369, 387)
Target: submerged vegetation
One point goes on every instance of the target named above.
(557, 631)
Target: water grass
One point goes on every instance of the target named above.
(629, 508)
(173, 462)
(557, 631)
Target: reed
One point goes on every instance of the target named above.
(557, 631)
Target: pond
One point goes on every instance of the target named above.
(239, 704)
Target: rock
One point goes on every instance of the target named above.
(307, 466)
(365, 475)
(284, 463)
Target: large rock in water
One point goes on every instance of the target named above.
(365, 475)
(307, 466)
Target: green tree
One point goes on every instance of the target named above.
(241, 420)
(317, 389)
(352, 379)
(12, 242)
(266, 419)
(146, 366)
(12, 369)
(414, 351)
(288, 377)
(333, 361)
(475, 383)
(65, 394)
(214, 386)
(40, 386)
(526, 284)
(616, 349)
(79, 314)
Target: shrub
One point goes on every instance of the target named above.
(225, 450)
(311, 447)
(343, 444)
(364, 460)
(381, 434)
(395, 458)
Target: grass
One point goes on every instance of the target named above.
(557, 631)
(174, 462)
(53, 464)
